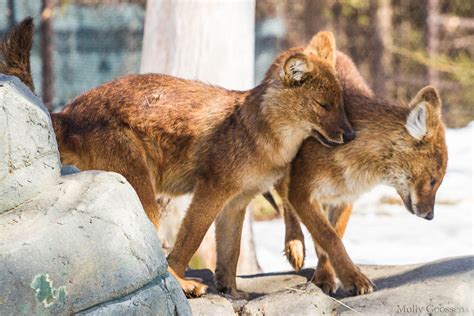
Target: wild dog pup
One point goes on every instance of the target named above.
(173, 136)
(401, 146)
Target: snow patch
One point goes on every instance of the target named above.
(381, 231)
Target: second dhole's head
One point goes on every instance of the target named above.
(419, 164)
(307, 88)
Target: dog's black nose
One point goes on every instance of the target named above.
(429, 216)
(348, 136)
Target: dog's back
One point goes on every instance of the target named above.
(350, 77)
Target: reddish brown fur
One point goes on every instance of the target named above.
(15, 52)
(172, 136)
(384, 151)
(176, 136)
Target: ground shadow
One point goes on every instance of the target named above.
(427, 271)
(207, 276)
(432, 270)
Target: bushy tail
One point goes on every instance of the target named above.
(15, 52)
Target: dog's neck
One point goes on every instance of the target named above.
(274, 129)
(369, 159)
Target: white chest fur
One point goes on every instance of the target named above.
(290, 140)
(345, 189)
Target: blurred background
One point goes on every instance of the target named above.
(398, 45)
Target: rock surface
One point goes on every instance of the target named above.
(29, 157)
(443, 287)
(79, 243)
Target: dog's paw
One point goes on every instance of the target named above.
(357, 282)
(234, 294)
(295, 253)
(192, 287)
(326, 280)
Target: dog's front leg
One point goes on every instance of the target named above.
(324, 235)
(324, 275)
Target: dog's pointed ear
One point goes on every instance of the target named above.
(323, 45)
(425, 113)
(295, 70)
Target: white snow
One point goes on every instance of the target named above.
(380, 233)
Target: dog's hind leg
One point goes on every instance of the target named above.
(140, 180)
(294, 238)
(228, 236)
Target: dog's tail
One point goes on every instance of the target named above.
(270, 199)
(15, 52)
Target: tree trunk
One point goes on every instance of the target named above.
(397, 19)
(11, 13)
(47, 53)
(379, 14)
(384, 17)
(352, 31)
(314, 17)
(336, 11)
(302, 20)
(432, 37)
(212, 41)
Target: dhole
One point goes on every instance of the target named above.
(15, 52)
(173, 136)
(401, 146)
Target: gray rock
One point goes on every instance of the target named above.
(87, 234)
(29, 158)
(443, 287)
(162, 296)
(436, 287)
(211, 305)
(305, 299)
(79, 243)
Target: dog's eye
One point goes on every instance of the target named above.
(325, 105)
(432, 182)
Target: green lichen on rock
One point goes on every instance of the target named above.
(46, 293)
